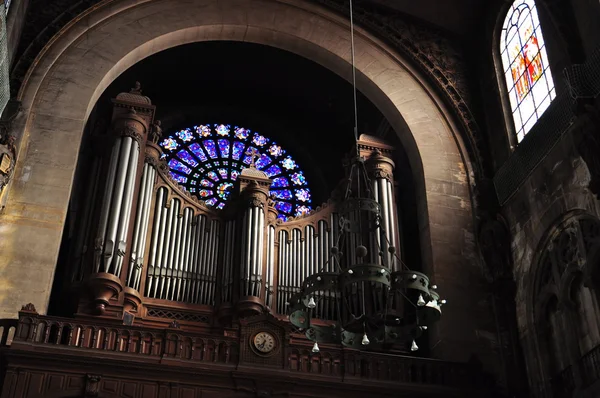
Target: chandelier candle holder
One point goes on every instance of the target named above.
(380, 301)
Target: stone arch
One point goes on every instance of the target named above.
(538, 294)
(73, 70)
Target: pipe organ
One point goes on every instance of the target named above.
(157, 245)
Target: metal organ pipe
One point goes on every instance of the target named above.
(115, 204)
(393, 224)
(127, 205)
(137, 227)
(108, 191)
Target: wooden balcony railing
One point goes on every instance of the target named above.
(333, 363)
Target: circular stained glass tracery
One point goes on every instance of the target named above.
(207, 161)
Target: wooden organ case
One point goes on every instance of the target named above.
(160, 277)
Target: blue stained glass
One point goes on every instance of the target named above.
(179, 178)
(203, 131)
(197, 150)
(260, 140)
(284, 207)
(275, 150)
(186, 157)
(248, 157)
(213, 176)
(175, 164)
(210, 148)
(298, 179)
(238, 149)
(163, 156)
(241, 133)
(263, 162)
(280, 182)
(300, 210)
(224, 148)
(303, 194)
(273, 171)
(288, 163)
(285, 194)
(222, 129)
(169, 144)
(215, 163)
(185, 135)
(223, 190)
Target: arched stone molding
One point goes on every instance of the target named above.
(70, 74)
(539, 291)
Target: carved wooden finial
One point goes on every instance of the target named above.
(28, 308)
(137, 89)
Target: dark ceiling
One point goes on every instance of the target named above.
(457, 16)
(304, 107)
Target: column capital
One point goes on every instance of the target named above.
(378, 156)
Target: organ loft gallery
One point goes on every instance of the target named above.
(303, 198)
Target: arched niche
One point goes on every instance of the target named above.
(73, 70)
(562, 300)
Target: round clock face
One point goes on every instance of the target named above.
(264, 342)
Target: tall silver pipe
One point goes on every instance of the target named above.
(393, 224)
(226, 262)
(259, 250)
(160, 254)
(157, 234)
(280, 271)
(209, 255)
(137, 227)
(213, 272)
(184, 252)
(388, 225)
(247, 251)
(146, 219)
(166, 248)
(198, 263)
(108, 191)
(192, 257)
(204, 259)
(254, 251)
(115, 204)
(172, 246)
(126, 206)
(142, 236)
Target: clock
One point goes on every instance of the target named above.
(264, 342)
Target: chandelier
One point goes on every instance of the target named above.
(380, 302)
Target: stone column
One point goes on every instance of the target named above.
(254, 189)
(132, 116)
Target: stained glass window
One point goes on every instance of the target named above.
(525, 66)
(208, 159)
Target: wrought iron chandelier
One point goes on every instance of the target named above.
(380, 301)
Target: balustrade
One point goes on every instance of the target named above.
(173, 343)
